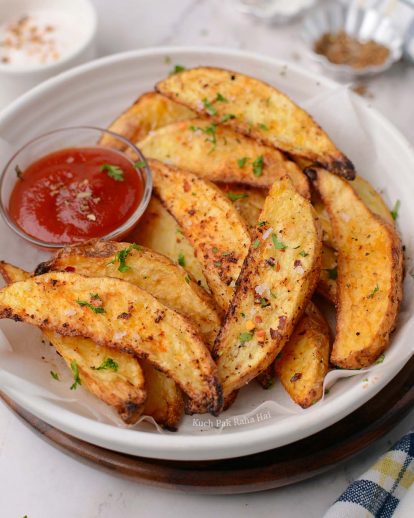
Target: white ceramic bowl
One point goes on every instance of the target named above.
(15, 80)
(95, 94)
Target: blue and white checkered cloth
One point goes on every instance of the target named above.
(377, 493)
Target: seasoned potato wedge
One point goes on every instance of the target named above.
(152, 272)
(329, 273)
(128, 319)
(370, 271)
(247, 200)
(210, 222)
(219, 154)
(123, 388)
(303, 363)
(275, 284)
(149, 112)
(257, 110)
(158, 230)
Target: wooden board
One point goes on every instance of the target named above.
(266, 470)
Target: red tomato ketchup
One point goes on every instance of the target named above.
(76, 194)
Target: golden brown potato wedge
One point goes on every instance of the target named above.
(210, 222)
(149, 112)
(121, 385)
(117, 314)
(219, 154)
(257, 110)
(370, 271)
(329, 273)
(158, 230)
(152, 272)
(303, 363)
(275, 284)
(247, 200)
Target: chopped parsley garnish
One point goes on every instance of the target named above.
(264, 302)
(217, 264)
(209, 130)
(245, 337)
(303, 253)
(76, 378)
(243, 315)
(272, 294)
(234, 196)
(215, 250)
(263, 127)
(380, 359)
(177, 69)
(332, 273)
(373, 292)
(107, 364)
(181, 259)
(279, 245)
(256, 243)
(262, 223)
(139, 164)
(394, 212)
(187, 279)
(54, 375)
(19, 172)
(210, 109)
(114, 172)
(122, 255)
(95, 308)
(220, 98)
(241, 162)
(258, 166)
(228, 117)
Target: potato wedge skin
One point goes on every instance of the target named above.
(124, 389)
(152, 272)
(213, 152)
(211, 224)
(303, 363)
(370, 272)
(260, 111)
(133, 321)
(149, 112)
(275, 284)
(159, 231)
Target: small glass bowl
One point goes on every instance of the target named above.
(72, 137)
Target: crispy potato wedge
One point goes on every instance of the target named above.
(130, 320)
(164, 403)
(303, 363)
(152, 272)
(219, 154)
(329, 273)
(149, 112)
(370, 271)
(247, 200)
(210, 222)
(275, 284)
(123, 388)
(257, 110)
(159, 231)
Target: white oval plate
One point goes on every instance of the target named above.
(96, 93)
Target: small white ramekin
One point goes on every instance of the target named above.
(16, 80)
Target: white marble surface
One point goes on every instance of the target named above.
(38, 481)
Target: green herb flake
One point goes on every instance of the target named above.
(221, 99)
(215, 250)
(76, 378)
(279, 245)
(373, 292)
(264, 303)
(139, 164)
(327, 391)
(107, 365)
(303, 253)
(395, 210)
(241, 162)
(380, 359)
(217, 264)
(262, 223)
(181, 259)
(234, 196)
(114, 172)
(272, 294)
(243, 315)
(95, 309)
(258, 166)
(279, 355)
(19, 172)
(245, 337)
(332, 273)
(177, 69)
(210, 109)
(263, 127)
(54, 375)
(122, 255)
(228, 117)
(187, 279)
(256, 243)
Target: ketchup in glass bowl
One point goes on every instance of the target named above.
(63, 188)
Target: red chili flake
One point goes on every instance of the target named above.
(70, 269)
(296, 377)
(186, 186)
(277, 267)
(258, 319)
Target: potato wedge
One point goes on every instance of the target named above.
(152, 272)
(210, 222)
(303, 363)
(329, 273)
(219, 154)
(275, 284)
(247, 200)
(158, 230)
(129, 320)
(257, 110)
(370, 272)
(372, 198)
(149, 112)
(123, 388)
